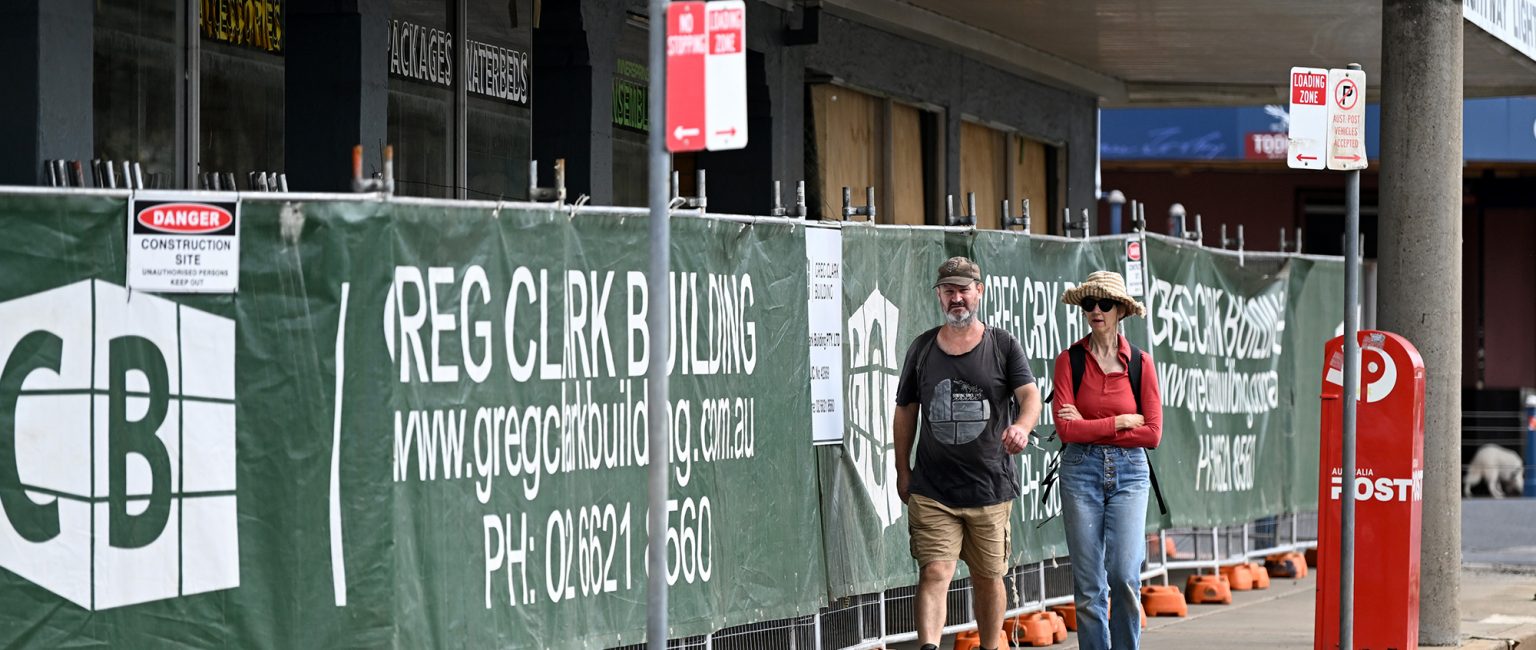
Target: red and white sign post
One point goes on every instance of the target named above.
(1346, 119)
(726, 75)
(1309, 118)
(1387, 488)
(706, 75)
(687, 49)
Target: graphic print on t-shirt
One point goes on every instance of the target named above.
(958, 412)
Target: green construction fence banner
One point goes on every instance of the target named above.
(1236, 340)
(415, 426)
(424, 424)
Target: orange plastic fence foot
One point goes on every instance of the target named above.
(1068, 614)
(968, 640)
(1260, 575)
(1058, 627)
(1208, 590)
(1158, 600)
(1034, 630)
(1239, 578)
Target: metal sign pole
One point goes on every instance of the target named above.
(1351, 390)
(656, 321)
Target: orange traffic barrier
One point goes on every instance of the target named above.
(1260, 575)
(1208, 590)
(968, 640)
(1068, 614)
(1034, 630)
(1239, 577)
(1286, 565)
(1058, 626)
(1160, 600)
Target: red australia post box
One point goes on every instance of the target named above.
(1387, 488)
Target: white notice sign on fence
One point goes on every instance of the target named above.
(824, 306)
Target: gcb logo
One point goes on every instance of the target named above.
(117, 446)
(875, 370)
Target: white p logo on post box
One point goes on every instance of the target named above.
(117, 446)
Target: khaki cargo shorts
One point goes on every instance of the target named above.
(980, 536)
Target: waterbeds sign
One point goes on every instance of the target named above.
(427, 54)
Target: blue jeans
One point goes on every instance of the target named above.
(1104, 506)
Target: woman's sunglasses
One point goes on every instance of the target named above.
(1105, 304)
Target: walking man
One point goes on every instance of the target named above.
(978, 402)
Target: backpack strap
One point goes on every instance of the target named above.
(927, 338)
(1133, 372)
(1079, 360)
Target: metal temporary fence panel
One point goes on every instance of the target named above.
(416, 426)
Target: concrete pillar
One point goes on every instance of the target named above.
(1420, 267)
(46, 110)
(336, 90)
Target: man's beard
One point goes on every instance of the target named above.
(960, 321)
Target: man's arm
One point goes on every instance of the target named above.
(1016, 436)
(903, 432)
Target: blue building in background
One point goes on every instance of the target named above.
(1495, 130)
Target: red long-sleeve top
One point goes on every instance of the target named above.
(1102, 397)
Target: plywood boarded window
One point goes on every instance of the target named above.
(983, 171)
(862, 140)
(908, 199)
(850, 139)
(1031, 180)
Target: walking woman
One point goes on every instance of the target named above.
(1107, 428)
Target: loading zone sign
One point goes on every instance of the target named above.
(183, 245)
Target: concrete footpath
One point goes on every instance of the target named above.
(1498, 611)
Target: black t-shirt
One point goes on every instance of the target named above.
(965, 406)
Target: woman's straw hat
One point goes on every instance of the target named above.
(1104, 284)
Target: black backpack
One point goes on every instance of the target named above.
(1078, 357)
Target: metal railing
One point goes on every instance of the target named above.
(876, 620)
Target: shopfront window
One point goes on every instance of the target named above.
(241, 123)
(497, 79)
(421, 103)
(134, 89)
(631, 122)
